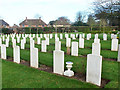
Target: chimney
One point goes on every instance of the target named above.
(26, 19)
(39, 19)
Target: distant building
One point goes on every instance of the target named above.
(4, 24)
(61, 23)
(33, 23)
(15, 28)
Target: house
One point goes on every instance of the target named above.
(33, 23)
(15, 28)
(4, 24)
(61, 22)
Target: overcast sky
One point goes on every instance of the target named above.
(15, 11)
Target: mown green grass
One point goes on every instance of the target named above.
(20, 76)
(109, 68)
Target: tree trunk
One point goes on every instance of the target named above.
(91, 28)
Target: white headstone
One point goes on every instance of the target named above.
(76, 35)
(61, 36)
(56, 39)
(0, 41)
(83, 35)
(74, 49)
(56, 36)
(29, 35)
(26, 35)
(41, 36)
(45, 35)
(38, 40)
(16, 53)
(96, 40)
(22, 44)
(3, 51)
(112, 36)
(80, 35)
(96, 48)
(19, 35)
(48, 35)
(47, 41)
(58, 62)
(73, 37)
(94, 68)
(18, 39)
(68, 42)
(88, 37)
(51, 36)
(66, 36)
(33, 35)
(119, 54)
(24, 40)
(22, 35)
(31, 38)
(31, 49)
(114, 46)
(57, 45)
(14, 43)
(3, 38)
(81, 43)
(43, 46)
(34, 58)
(115, 36)
(37, 35)
(7, 43)
(32, 44)
(12, 39)
(104, 36)
(96, 36)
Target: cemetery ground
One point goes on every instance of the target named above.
(22, 76)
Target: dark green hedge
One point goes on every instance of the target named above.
(85, 29)
(6, 30)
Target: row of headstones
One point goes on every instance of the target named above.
(56, 36)
(74, 49)
(73, 36)
(94, 60)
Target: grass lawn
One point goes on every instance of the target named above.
(20, 76)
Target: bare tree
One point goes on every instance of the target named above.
(80, 17)
(108, 10)
(63, 18)
(91, 21)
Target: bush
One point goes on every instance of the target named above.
(6, 31)
(27, 30)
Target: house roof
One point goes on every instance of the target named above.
(2, 23)
(32, 22)
(61, 22)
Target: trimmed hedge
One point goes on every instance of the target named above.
(6, 31)
(85, 29)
